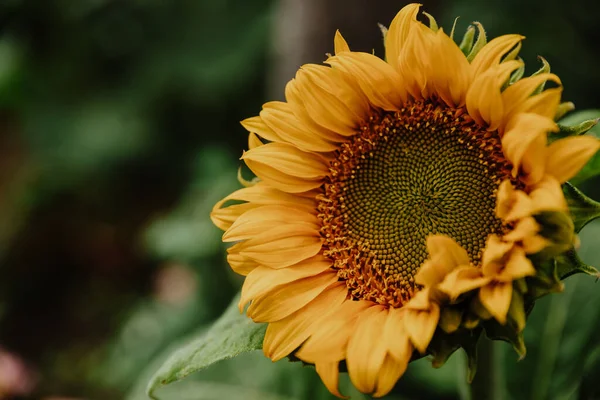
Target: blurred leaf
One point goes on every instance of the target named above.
(231, 335)
(560, 333)
(247, 376)
(11, 65)
(151, 326)
(592, 168)
(187, 233)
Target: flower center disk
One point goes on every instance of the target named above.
(427, 169)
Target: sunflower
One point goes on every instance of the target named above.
(399, 202)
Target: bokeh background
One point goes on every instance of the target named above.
(119, 131)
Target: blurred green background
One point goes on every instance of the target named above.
(119, 131)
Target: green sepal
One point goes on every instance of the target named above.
(583, 209)
(443, 345)
(466, 44)
(432, 22)
(450, 319)
(511, 55)
(517, 75)
(471, 320)
(479, 309)
(558, 229)
(471, 352)
(569, 263)
(507, 333)
(384, 31)
(521, 285)
(563, 109)
(545, 281)
(516, 311)
(479, 43)
(453, 28)
(575, 130)
(543, 70)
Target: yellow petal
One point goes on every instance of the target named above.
(547, 195)
(445, 246)
(346, 91)
(263, 194)
(330, 375)
(258, 126)
(325, 108)
(518, 266)
(284, 336)
(253, 141)
(420, 325)
(223, 218)
(398, 32)
(391, 370)
(495, 297)
(330, 340)
(395, 336)
(566, 157)
(381, 84)
(451, 82)
(262, 279)
(339, 43)
(515, 96)
(287, 168)
(283, 300)
(281, 246)
(491, 54)
(526, 227)
(495, 251)
(279, 117)
(263, 218)
(445, 255)
(365, 351)
(484, 100)
(240, 264)
(512, 204)
(462, 280)
(415, 64)
(295, 99)
(524, 143)
(545, 103)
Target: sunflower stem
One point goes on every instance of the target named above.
(488, 381)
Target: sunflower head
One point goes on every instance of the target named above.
(401, 207)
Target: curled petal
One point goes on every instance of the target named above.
(496, 297)
(463, 280)
(491, 54)
(517, 266)
(566, 157)
(398, 32)
(445, 255)
(339, 43)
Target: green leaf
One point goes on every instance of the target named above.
(231, 335)
(583, 209)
